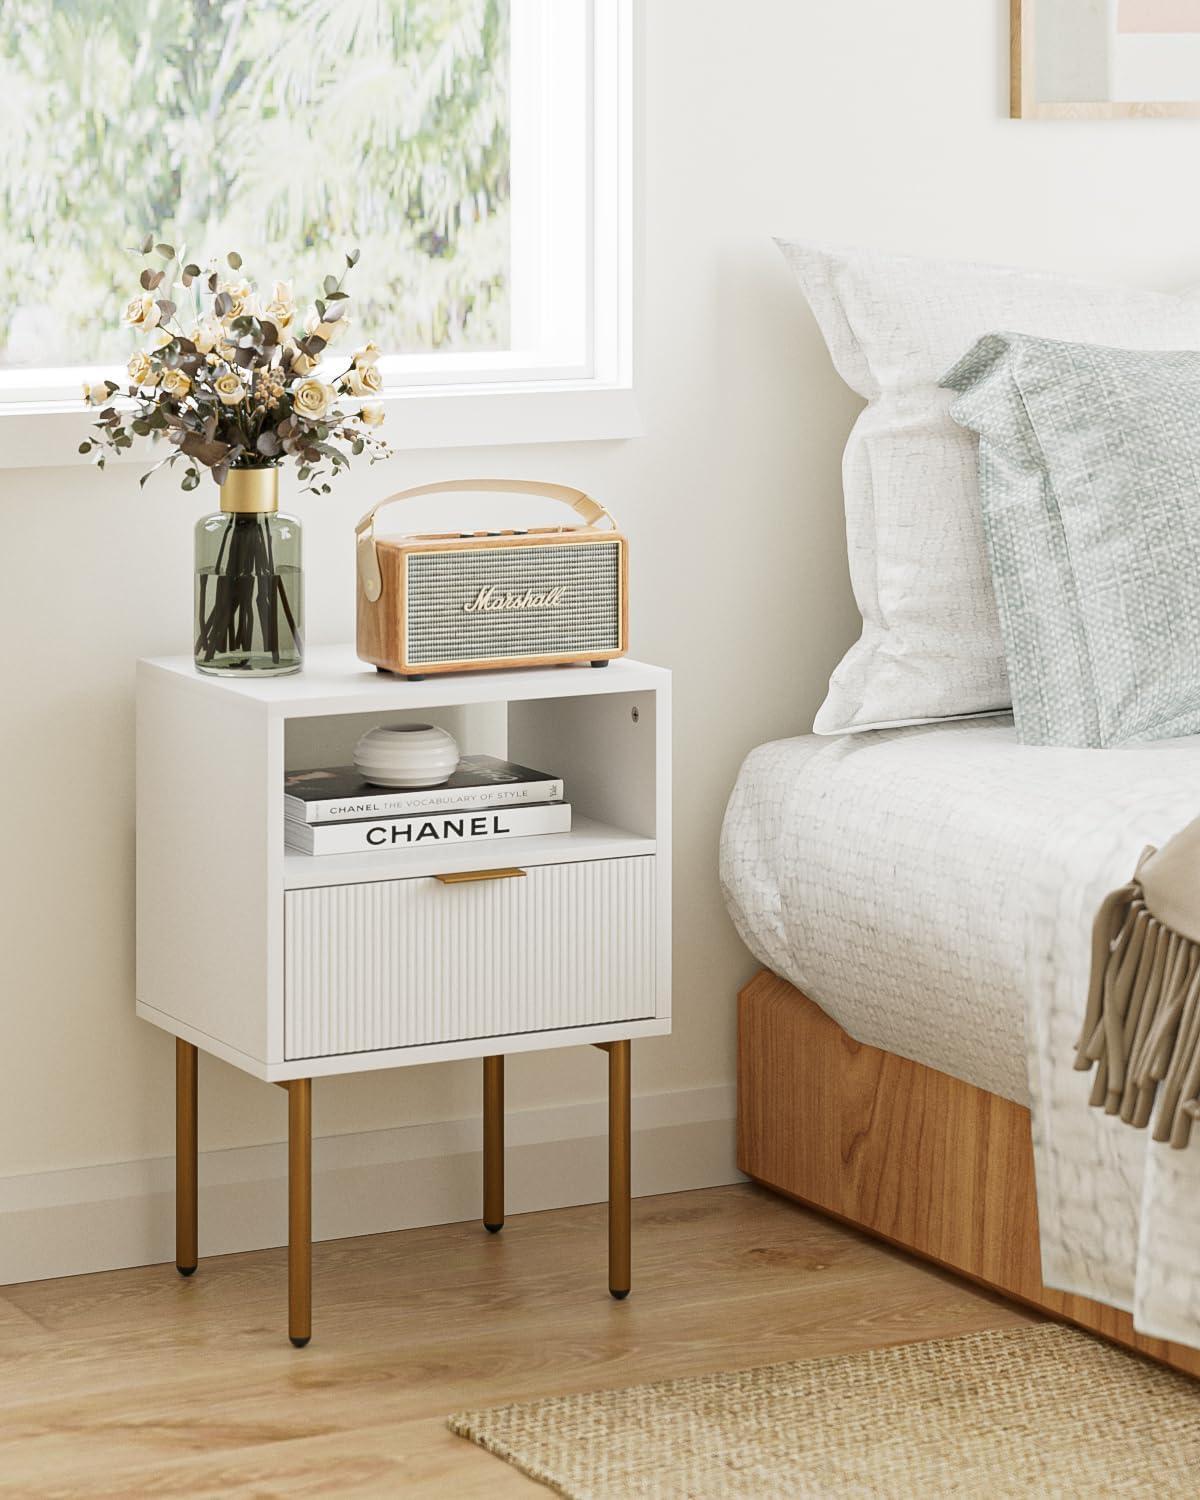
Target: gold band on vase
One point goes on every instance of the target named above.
(251, 492)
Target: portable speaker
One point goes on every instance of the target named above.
(460, 602)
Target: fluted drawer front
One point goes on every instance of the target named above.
(402, 963)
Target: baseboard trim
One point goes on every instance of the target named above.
(102, 1218)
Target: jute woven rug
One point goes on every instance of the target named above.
(1043, 1411)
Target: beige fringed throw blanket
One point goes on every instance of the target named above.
(1118, 1209)
(1142, 1025)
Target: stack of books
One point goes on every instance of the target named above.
(335, 811)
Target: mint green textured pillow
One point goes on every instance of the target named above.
(1089, 477)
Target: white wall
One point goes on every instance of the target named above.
(856, 121)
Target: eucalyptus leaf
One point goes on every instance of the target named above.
(148, 244)
(329, 285)
(208, 450)
(235, 260)
(166, 251)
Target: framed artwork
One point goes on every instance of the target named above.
(1105, 59)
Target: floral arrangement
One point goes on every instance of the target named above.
(231, 380)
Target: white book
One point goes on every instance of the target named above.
(427, 830)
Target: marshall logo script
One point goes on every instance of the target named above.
(490, 599)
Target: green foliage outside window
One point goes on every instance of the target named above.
(289, 128)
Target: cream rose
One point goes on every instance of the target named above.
(207, 335)
(242, 299)
(176, 383)
(370, 415)
(279, 312)
(364, 380)
(302, 364)
(327, 331)
(142, 312)
(140, 371)
(369, 355)
(229, 389)
(313, 399)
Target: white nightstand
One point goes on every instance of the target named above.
(293, 967)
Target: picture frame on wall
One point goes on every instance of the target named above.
(1105, 59)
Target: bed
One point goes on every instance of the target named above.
(900, 888)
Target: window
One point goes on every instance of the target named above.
(474, 151)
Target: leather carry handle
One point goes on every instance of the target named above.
(581, 503)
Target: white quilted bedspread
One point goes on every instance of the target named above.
(933, 889)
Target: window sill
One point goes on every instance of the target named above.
(36, 435)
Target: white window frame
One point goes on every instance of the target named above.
(486, 398)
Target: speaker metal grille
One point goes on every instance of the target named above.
(440, 586)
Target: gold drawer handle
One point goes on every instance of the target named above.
(461, 877)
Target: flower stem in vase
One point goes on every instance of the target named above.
(238, 624)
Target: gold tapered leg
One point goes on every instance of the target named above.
(300, 1211)
(185, 1158)
(493, 1144)
(618, 1169)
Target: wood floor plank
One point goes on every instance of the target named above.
(163, 1386)
(447, 1259)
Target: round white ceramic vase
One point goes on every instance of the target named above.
(406, 755)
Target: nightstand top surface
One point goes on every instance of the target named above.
(334, 680)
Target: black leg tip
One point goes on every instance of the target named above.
(600, 664)
(618, 1296)
(186, 1270)
(300, 1343)
(493, 1228)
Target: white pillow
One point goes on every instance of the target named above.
(930, 646)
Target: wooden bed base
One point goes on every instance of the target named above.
(918, 1158)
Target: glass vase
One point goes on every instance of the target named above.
(249, 584)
